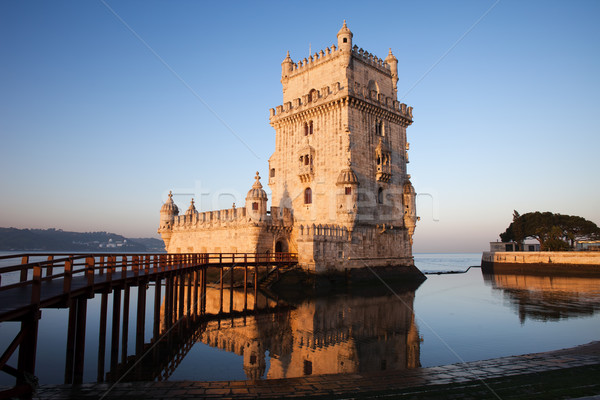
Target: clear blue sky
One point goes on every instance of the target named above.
(96, 128)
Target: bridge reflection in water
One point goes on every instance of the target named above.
(337, 334)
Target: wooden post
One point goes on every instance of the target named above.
(102, 266)
(28, 346)
(195, 295)
(24, 260)
(123, 267)
(255, 286)
(80, 340)
(221, 288)
(245, 284)
(49, 266)
(70, 342)
(181, 304)
(102, 337)
(125, 336)
(141, 319)
(68, 276)
(190, 283)
(89, 272)
(231, 290)
(157, 299)
(116, 321)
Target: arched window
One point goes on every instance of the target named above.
(307, 196)
(380, 196)
(272, 173)
(310, 128)
(305, 129)
(306, 160)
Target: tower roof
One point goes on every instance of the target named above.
(344, 30)
(257, 191)
(287, 58)
(390, 57)
(191, 210)
(347, 176)
(170, 206)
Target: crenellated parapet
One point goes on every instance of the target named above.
(371, 59)
(315, 60)
(210, 218)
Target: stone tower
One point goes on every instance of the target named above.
(340, 159)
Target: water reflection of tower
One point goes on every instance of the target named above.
(342, 334)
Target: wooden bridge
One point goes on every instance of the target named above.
(31, 282)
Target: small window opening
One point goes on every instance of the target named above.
(348, 190)
(307, 367)
(305, 129)
(272, 173)
(380, 196)
(255, 206)
(252, 359)
(307, 196)
(306, 160)
(310, 128)
(345, 40)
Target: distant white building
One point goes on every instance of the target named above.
(512, 246)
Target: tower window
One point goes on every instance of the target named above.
(306, 160)
(307, 196)
(380, 196)
(255, 206)
(310, 128)
(272, 173)
(305, 129)
(345, 40)
(379, 128)
(348, 190)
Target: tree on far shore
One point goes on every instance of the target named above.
(554, 232)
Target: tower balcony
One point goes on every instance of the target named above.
(306, 173)
(384, 173)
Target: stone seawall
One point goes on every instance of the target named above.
(586, 263)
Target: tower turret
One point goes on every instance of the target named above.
(168, 212)
(256, 200)
(410, 209)
(345, 44)
(191, 211)
(393, 63)
(286, 66)
(345, 38)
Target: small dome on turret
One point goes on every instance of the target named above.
(170, 206)
(344, 30)
(287, 58)
(257, 191)
(347, 176)
(390, 57)
(191, 210)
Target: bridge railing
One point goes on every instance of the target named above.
(33, 269)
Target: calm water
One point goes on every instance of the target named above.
(447, 319)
